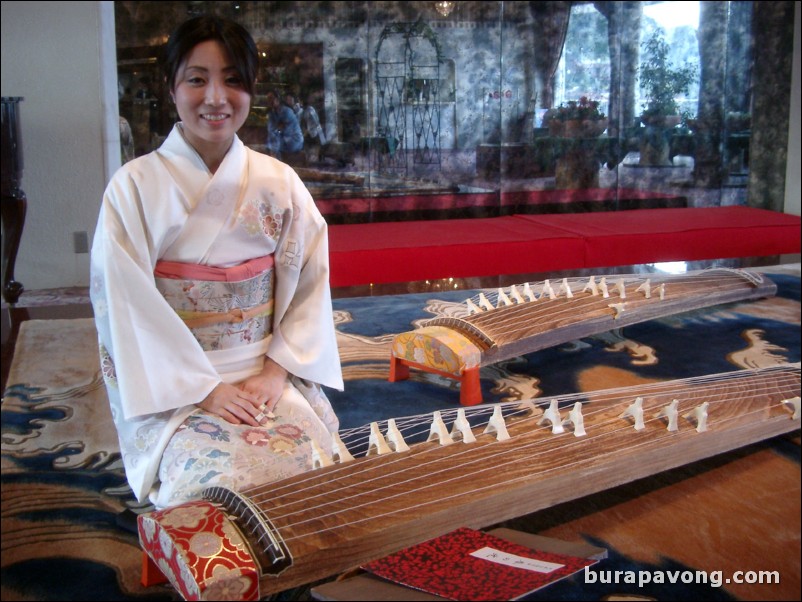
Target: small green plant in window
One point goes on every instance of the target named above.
(661, 81)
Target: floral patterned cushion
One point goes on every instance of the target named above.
(437, 347)
(200, 552)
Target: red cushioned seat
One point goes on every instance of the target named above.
(677, 234)
(383, 252)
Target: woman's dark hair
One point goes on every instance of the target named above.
(233, 36)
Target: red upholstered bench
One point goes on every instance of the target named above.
(677, 234)
(383, 252)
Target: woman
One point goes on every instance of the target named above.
(210, 291)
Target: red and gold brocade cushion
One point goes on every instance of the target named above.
(200, 552)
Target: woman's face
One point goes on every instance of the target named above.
(210, 98)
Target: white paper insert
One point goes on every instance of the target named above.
(529, 564)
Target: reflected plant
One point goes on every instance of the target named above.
(661, 81)
(582, 110)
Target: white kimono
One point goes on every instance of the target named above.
(167, 206)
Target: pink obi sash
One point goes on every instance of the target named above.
(222, 307)
(192, 271)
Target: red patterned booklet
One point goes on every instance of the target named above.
(472, 565)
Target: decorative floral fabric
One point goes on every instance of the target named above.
(260, 218)
(437, 347)
(206, 451)
(201, 553)
(222, 315)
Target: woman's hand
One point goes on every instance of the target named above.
(233, 404)
(267, 386)
(250, 401)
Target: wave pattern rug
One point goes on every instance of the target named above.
(63, 484)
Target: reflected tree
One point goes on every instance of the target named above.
(623, 36)
(708, 169)
(773, 34)
(550, 25)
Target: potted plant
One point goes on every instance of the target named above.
(661, 83)
(577, 119)
(577, 164)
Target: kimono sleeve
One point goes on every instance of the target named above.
(156, 362)
(304, 339)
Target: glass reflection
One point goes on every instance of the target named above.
(428, 115)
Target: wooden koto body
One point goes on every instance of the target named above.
(477, 467)
(533, 316)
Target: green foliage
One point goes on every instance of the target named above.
(660, 80)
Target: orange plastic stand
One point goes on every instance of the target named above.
(470, 392)
(151, 575)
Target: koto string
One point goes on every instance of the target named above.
(549, 442)
(497, 463)
(695, 278)
(443, 498)
(534, 309)
(595, 399)
(507, 322)
(762, 411)
(728, 283)
(359, 435)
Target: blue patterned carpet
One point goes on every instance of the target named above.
(63, 486)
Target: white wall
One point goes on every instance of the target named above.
(51, 56)
(61, 57)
